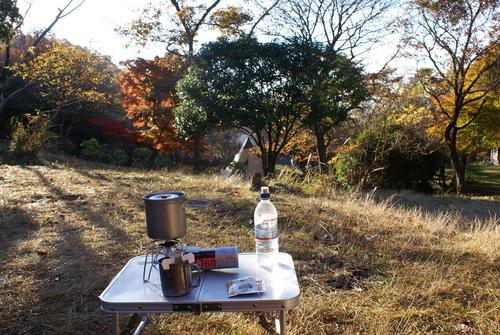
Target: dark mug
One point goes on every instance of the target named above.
(177, 279)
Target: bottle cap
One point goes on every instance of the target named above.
(264, 193)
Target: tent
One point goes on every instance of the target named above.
(245, 159)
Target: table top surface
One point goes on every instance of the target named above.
(128, 293)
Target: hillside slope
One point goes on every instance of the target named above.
(364, 266)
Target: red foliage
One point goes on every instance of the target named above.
(114, 129)
(149, 96)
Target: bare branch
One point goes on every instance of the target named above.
(473, 116)
(262, 16)
(205, 14)
(177, 7)
(346, 26)
(434, 95)
(476, 98)
(61, 14)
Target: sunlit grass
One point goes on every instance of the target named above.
(366, 264)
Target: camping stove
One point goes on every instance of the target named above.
(165, 218)
(156, 250)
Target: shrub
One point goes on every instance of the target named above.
(93, 150)
(142, 157)
(120, 157)
(27, 139)
(391, 156)
(162, 161)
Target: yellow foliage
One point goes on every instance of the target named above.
(480, 119)
(479, 131)
(66, 72)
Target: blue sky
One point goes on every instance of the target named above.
(93, 24)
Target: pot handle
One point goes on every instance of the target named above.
(198, 271)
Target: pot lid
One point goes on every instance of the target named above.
(164, 196)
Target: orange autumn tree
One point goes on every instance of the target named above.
(149, 96)
(480, 118)
(453, 36)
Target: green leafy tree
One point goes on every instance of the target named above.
(332, 86)
(249, 86)
(190, 117)
(9, 18)
(190, 18)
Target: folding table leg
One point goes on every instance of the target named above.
(116, 324)
(280, 321)
(142, 324)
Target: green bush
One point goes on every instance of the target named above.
(27, 139)
(390, 156)
(162, 161)
(93, 150)
(120, 157)
(142, 157)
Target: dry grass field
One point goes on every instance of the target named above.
(367, 264)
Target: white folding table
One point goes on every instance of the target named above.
(128, 293)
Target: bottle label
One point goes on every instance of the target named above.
(267, 230)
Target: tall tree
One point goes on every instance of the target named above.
(190, 17)
(69, 82)
(191, 118)
(9, 18)
(177, 24)
(454, 36)
(349, 27)
(249, 86)
(149, 96)
(483, 132)
(331, 86)
(8, 90)
(343, 28)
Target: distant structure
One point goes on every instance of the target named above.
(247, 160)
(494, 156)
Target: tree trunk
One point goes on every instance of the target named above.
(268, 161)
(442, 174)
(450, 136)
(6, 62)
(271, 165)
(457, 167)
(321, 148)
(2, 106)
(197, 152)
(463, 163)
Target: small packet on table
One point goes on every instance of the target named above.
(247, 285)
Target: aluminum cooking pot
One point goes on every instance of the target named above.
(165, 215)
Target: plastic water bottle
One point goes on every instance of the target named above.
(266, 230)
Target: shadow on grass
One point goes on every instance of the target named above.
(71, 276)
(82, 208)
(15, 225)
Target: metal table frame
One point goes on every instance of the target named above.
(127, 293)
